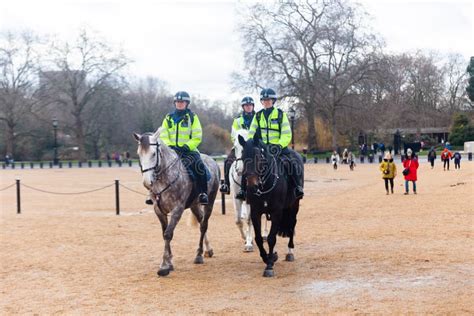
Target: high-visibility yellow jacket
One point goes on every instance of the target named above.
(187, 131)
(273, 130)
(238, 124)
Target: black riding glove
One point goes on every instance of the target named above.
(185, 148)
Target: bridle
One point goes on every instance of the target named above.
(262, 178)
(157, 171)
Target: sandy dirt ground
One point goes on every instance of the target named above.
(357, 249)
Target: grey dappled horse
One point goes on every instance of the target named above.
(173, 191)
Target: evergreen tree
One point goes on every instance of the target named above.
(470, 87)
(462, 130)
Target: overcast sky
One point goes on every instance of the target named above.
(193, 45)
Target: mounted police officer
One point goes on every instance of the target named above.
(181, 131)
(243, 121)
(272, 126)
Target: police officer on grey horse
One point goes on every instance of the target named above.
(242, 121)
(273, 127)
(182, 131)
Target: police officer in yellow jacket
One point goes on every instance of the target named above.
(181, 130)
(241, 122)
(272, 126)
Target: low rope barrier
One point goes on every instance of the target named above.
(8, 187)
(127, 188)
(67, 193)
(116, 183)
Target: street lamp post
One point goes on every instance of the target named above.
(55, 128)
(291, 116)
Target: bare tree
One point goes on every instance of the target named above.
(313, 51)
(18, 62)
(77, 73)
(456, 83)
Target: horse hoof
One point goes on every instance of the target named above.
(248, 248)
(268, 273)
(290, 257)
(209, 253)
(163, 272)
(198, 260)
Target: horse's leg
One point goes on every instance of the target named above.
(248, 229)
(204, 225)
(257, 222)
(166, 264)
(238, 216)
(290, 256)
(271, 240)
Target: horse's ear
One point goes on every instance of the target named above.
(241, 140)
(256, 137)
(137, 136)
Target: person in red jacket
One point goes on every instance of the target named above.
(446, 155)
(410, 165)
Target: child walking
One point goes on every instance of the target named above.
(389, 171)
(410, 165)
(457, 160)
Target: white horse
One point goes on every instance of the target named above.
(242, 210)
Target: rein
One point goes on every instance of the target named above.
(157, 172)
(262, 179)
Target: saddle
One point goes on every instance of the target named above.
(193, 176)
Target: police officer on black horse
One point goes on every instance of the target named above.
(273, 128)
(243, 121)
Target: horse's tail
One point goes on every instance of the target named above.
(288, 220)
(192, 220)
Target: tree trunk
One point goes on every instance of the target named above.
(10, 140)
(334, 128)
(80, 140)
(311, 141)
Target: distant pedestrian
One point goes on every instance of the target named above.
(446, 155)
(335, 159)
(345, 156)
(351, 161)
(389, 171)
(432, 156)
(457, 160)
(410, 165)
(107, 156)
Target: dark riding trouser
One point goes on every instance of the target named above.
(193, 162)
(293, 164)
(227, 164)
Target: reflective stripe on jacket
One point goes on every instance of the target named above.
(182, 133)
(270, 129)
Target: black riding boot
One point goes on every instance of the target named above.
(202, 183)
(225, 187)
(243, 189)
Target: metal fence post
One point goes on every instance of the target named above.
(223, 199)
(117, 198)
(18, 200)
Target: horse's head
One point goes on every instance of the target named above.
(238, 147)
(255, 159)
(148, 155)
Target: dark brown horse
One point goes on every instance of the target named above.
(269, 193)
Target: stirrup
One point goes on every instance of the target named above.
(224, 188)
(203, 199)
(240, 195)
